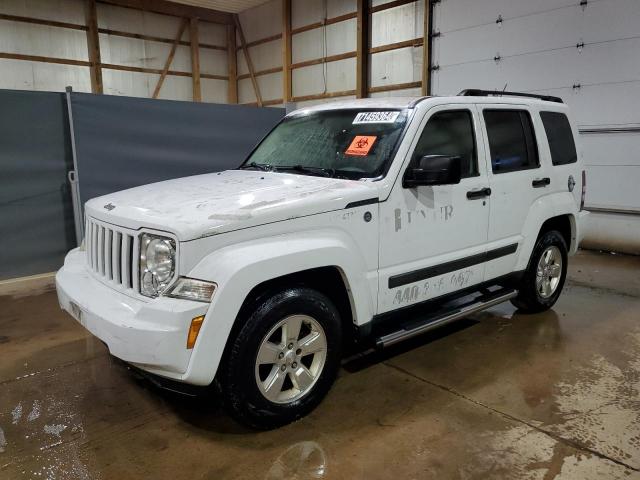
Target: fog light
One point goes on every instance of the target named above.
(194, 330)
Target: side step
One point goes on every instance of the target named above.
(443, 317)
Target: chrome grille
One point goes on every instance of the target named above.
(111, 254)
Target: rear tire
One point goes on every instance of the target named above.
(283, 360)
(544, 278)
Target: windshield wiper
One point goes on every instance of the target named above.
(327, 172)
(260, 166)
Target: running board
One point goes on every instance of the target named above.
(430, 322)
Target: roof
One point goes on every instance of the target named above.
(410, 102)
(380, 102)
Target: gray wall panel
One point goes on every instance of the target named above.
(123, 142)
(36, 215)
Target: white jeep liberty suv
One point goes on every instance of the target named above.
(366, 221)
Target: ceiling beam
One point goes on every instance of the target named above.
(176, 9)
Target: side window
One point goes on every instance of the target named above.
(512, 142)
(450, 133)
(561, 144)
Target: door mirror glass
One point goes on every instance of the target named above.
(434, 170)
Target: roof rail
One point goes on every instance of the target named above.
(475, 92)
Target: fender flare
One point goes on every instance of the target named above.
(540, 212)
(237, 269)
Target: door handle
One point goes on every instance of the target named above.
(480, 193)
(541, 182)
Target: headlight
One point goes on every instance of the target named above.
(192, 289)
(157, 264)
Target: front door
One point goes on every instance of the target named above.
(433, 238)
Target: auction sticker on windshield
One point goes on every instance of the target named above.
(375, 117)
(361, 145)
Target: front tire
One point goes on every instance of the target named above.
(283, 360)
(544, 278)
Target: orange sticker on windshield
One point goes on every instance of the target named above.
(361, 145)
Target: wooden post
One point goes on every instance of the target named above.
(93, 46)
(232, 92)
(286, 51)
(362, 49)
(172, 53)
(247, 57)
(426, 48)
(195, 59)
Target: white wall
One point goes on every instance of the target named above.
(537, 42)
(387, 26)
(29, 39)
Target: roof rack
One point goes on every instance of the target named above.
(475, 92)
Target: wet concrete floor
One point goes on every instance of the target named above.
(498, 395)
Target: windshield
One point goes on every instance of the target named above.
(342, 143)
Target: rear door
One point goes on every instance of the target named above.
(516, 177)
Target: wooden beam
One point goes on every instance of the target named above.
(362, 48)
(266, 103)
(151, 38)
(38, 58)
(104, 66)
(247, 57)
(426, 49)
(259, 73)
(395, 86)
(388, 5)
(286, 50)
(328, 21)
(213, 76)
(172, 52)
(129, 68)
(415, 42)
(232, 61)
(260, 41)
(175, 9)
(38, 21)
(93, 46)
(330, 58)
(195, 59)
(319, 96)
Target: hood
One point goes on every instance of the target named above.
(213, 203)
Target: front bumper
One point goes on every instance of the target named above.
(150, 334)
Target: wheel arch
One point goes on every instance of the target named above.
(329, 280)
(326, 260)
(565, 224)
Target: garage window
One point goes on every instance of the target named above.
(450, 133)
(511, 140)
(560, 136)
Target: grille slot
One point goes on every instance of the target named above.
(110, 254)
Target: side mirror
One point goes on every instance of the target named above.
(434, 170)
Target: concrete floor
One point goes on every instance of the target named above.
(500, 395)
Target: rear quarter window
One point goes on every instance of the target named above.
(512, 142)
(560, 137)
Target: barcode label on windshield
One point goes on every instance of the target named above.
(375, 117)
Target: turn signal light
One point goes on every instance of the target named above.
(194, 330)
